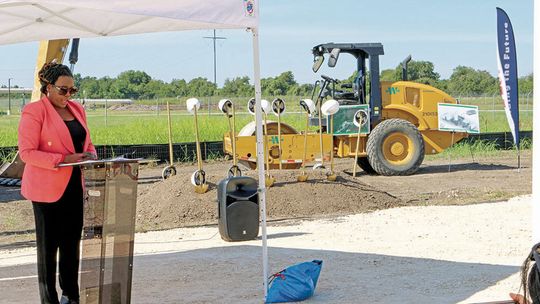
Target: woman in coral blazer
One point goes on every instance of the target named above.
(530, 279)
(53, 130)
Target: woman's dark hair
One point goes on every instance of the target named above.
(530, 275)
(50, 72)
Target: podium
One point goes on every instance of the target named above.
(110, 199)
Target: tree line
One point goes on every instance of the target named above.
(464, 81)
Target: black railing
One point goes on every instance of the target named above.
(186, 152)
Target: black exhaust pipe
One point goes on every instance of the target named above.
(74, 54)
(404, 67)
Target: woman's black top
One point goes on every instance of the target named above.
(78, 134)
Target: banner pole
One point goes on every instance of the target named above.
(450, 156)
(519, 159)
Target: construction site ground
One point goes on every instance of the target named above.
(173, 203)
(434, 237)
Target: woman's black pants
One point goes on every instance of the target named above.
(58, 230)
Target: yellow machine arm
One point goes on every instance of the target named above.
(48, 50)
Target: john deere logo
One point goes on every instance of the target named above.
(392, 90)
(275, 140)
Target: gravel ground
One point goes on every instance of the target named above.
(429, 254)
(426, 238)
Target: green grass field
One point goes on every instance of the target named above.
(150, 126)
(149, 129)
(477, 149)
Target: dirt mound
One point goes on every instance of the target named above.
(173, 203)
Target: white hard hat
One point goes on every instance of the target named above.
(360, 118)
(330, 107)
(251, 106)
(225, 105)
(308, 105)
(266, 106)
(191, 103)
(278, 106)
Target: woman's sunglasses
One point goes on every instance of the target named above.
(64, 90)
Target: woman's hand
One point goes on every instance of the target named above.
(73, 158)
(77, 157)
(89, 156)
(518, 298)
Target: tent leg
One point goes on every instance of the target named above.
(536, 128)
(260, 156)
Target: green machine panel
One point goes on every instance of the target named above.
(344, 123)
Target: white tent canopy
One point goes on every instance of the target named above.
(24, 21)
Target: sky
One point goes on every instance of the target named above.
(446, 32)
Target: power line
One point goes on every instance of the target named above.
(214, 38)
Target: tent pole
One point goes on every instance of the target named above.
(260, 155)
(519, 159)
(536, 130)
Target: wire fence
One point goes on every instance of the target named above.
(139, 122)
(187, 152)
(158, 106)
(13, 103)
(494, 102)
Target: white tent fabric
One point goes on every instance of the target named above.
(23, 21)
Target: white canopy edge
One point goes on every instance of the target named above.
(23, 21)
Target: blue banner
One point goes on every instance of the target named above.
(508, 76)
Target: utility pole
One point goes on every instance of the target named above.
(9, 96)
(215, 38)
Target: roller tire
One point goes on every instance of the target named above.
(395, 147)
(363, 163)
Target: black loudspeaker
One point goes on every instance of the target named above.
(238, 209)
